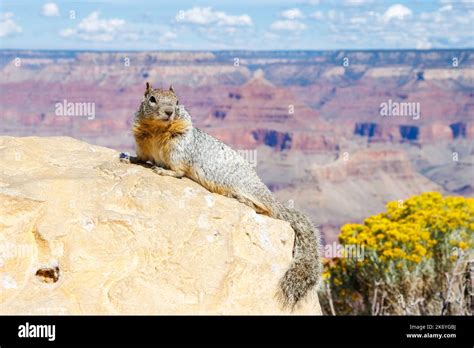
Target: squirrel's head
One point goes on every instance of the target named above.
(159, 104)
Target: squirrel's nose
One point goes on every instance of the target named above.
(169, 112)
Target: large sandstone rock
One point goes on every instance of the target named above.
(82, 233)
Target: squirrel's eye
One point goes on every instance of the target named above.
(177, 102)
(152, 100)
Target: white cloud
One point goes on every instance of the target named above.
(207, 16)
(434, 17)
(451, 27)
(317, 15)
(230, 30)
(68, 32)
(357, 2)
(290, 25)
(448, 25)
(93, 24)
(466, 2)
(292, 13)
(396, 11)
(93, 28)
(446, 8)
(50, 9)
(423, 44)
(8, 26)
(358, 20)
(169, 35)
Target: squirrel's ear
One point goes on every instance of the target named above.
(148, 88)
(171, 88)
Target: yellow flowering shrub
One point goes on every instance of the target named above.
(411, 253)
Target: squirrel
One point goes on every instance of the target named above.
(165, 136)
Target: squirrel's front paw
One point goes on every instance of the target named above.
(124, 157)
(166, 172)
(159, 170)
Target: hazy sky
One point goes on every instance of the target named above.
(236, 24)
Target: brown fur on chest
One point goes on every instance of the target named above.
(154, 138)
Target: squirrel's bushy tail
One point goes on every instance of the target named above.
(305, 269)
